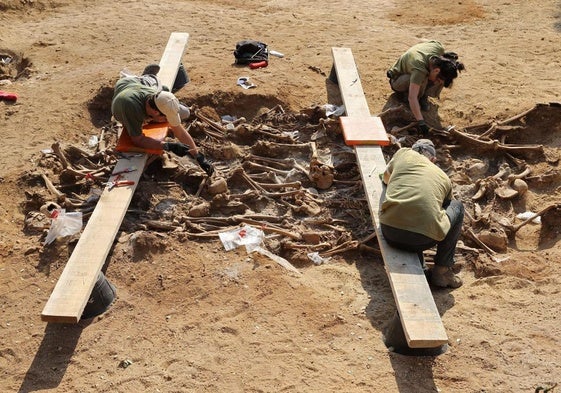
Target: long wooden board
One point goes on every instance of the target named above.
(74, 287)
(420, 319)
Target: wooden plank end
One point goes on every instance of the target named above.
(60, 318)
(434, 343)
(364, 131)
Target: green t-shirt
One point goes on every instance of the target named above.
(128, 105)
(415, 61)
(415, 194)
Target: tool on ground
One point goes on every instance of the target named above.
(275, 53)
(4, 95)
(118, 183)
(244, 82)
(259, 64)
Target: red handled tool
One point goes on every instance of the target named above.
(4, 95)
(119, 183)
(259, 64)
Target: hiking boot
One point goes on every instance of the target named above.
(444, 277)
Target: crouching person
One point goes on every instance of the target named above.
(138, 100)
(418, 212)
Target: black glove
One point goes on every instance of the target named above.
(180, 149)
(204, 164)
(423, 128)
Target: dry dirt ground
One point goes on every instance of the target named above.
(191, 317)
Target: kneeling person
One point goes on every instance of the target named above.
(418, 212)
(134, 104)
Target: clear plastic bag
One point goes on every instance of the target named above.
(63, 224)
(331, 109)
(247, 236)
(527, 215)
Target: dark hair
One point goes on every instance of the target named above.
(152, 103)
(449, 67)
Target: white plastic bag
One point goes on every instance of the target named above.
(247, 236)
(331, 109)
(316, 258)
(63, 224)
(93, 141)
(526, 215)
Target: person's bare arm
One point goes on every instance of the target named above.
(414, 101)
(184, 137)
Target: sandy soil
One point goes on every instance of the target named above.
(191, 317)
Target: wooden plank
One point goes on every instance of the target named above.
(419, 315)
(74, 287)
(171, 58)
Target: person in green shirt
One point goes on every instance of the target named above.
(421, 72)
(139, 100)
(418, 211)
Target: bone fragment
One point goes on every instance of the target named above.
(219, 186)
(253, 165)
(514, 228)
(396, 130)
(162, 225)
(51, 187)
(101, 146)
(277, 186)
(310, 247)
(200, 210)
(520, 186)
(282, 162)
(480, 243)
(343, 247)
(218, 127)
(494, 145)
(266, 227)
(258, 187)
(57, 150)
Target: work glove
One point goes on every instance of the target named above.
(180, 149)
(204, 164)
(422, 128)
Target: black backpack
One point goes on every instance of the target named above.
(250, 51)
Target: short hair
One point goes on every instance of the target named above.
(424, 147)
(152, 103)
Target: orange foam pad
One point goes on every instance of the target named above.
(154, 130)
(364, 131)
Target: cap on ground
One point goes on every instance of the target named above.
(151, 69)
(168, 104)
(423, 145)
